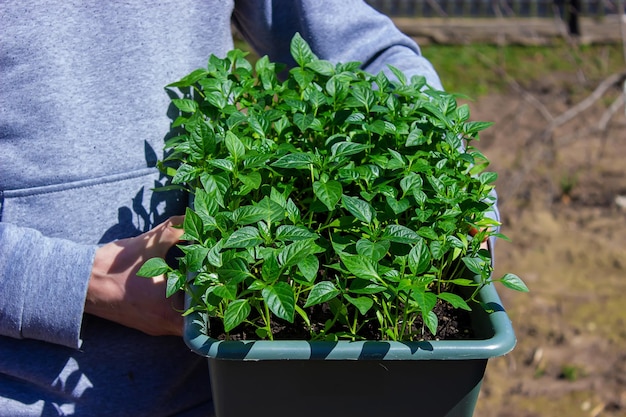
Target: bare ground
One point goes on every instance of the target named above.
(507, 30)
(561, 194)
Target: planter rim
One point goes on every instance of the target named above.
(497, 325)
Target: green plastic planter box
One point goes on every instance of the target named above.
(350, 379)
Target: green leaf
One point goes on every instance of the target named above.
(280, 299)
(425, 300)
(185, 173)
(431, 321)
(194, 229)
(202, 140)
(454, 300)
(437, 249)
(195, 256)
(233, 271)
(304, 315)
(257, 285)
(215, 256)
(293, 213)
(363, 304)
(274, 212)
(316, 98)
(464, 282)
(295, 160)
(301, 51)
(246, 237)
(401, 234)
(175, 282)
(411, 182)
(225, 291)
(487, 177)
(249, 215)
(205, 207)
(344, 148)
(303, 121)
(360, 266)
(437, 185)
(419, 258)
(292, 233)
(294, 253)
(296, 105)
(474, 264)
(471, 128)
(235, 314)
(303, 77)
(190, 79)
(399, 74)
(364, 95)
(321, 293)
(235, 146)
(185, 105)
(364, 286)
(223, 164)
(216, 187)
(270, 271)
(309, 266)
(264, 231)
(217, 99)
(514, 282)
(463, 113)
(328, 193)
(237, 56)
(322, 67)
(427, 233)
(418, 82)
(251, 180)
(476, 169)
(153, 267)
(373, 250)
(356, 118)
(278, 197)
(358, 208)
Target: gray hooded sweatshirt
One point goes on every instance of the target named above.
(83, 117)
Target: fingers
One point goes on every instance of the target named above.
(160, 239)
(176, 220)
(473, 232)
(171, 233)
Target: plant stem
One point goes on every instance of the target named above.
(405, 317)
(355, 323)
(389, 325)
(267, 319)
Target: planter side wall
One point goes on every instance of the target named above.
(338, 379)
(346, 388)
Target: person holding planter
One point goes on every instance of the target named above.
(336, 231)
(82, 110)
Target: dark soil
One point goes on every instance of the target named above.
(453, 324)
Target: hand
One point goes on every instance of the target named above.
(485, 242)
(116, 293)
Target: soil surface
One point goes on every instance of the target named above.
(454, 324)
(563, 204)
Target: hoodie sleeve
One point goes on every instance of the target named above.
(43, 285)
(338, 31)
